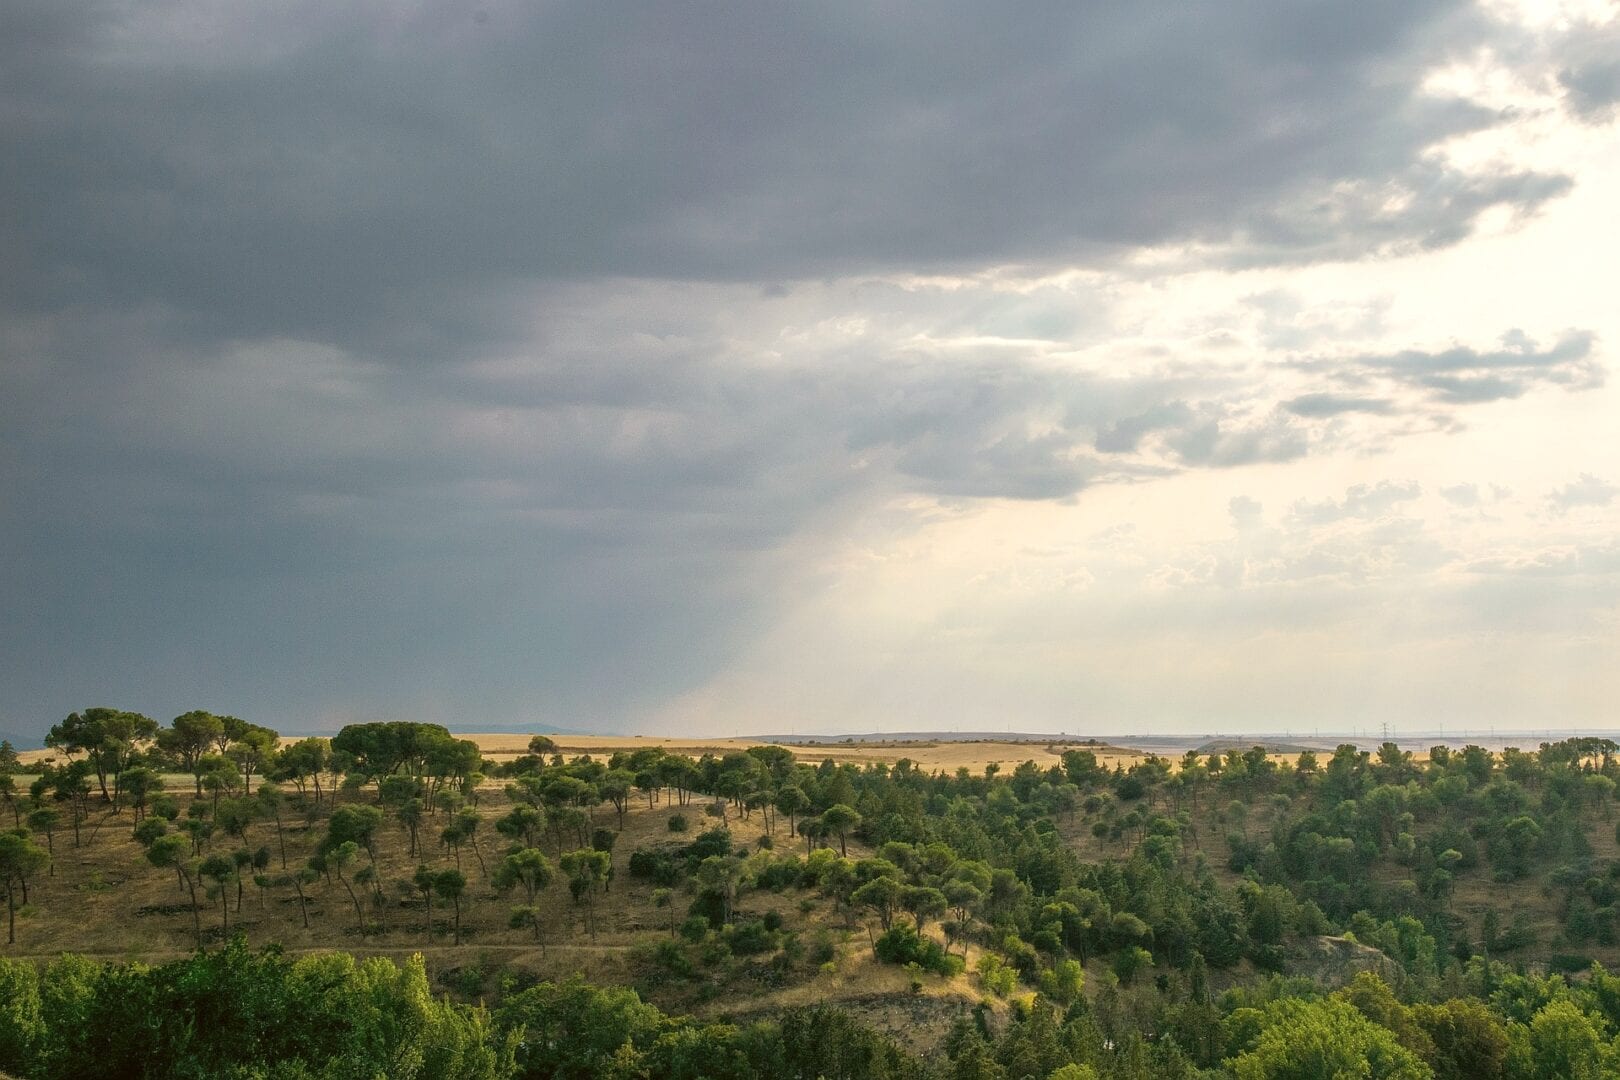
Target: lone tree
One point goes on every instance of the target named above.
(8, 795)
(171, 851)
(20, 859)
(586, 869)
(339, 859)
(790, 800)
(841, 820)
(45, 820)
(451, 885)
(221, 871)
(425, 880)
(528, 869)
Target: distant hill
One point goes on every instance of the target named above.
(18, 742)
(1272, 746)
(892, 737)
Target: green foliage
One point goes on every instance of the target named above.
(1316, 1040)
(240, 1014)
(903, 945)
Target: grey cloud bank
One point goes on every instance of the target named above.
(523, 363)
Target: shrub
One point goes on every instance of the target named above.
(903, 945)
(750, 938)
(773, 920)
(677, 823)
(712, 842)
(655, 865)
(695, 928)
(822, 950)
(672, 958)
(996, 976)
(780, 874)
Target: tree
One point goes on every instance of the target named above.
(8, 795)
(466, 825)
(302, 763)
(615, 787)
(340, 859)
(665, 898)
(411, 813)
(358, 824)
(20, 859)
(790, 800)
(252, 750)
(149, 830)
(526, 868)
(924, 903)
(109, 738)
(1561, 1041)
(451, 885)
(881, 894)
(139, 785)
(541, 746)
(221, 871)
(586, 870)
(423, 880)
(189, 737)
(1316, 1040)
(523, 823)
(270, 798)
(236, 816)
(171, 851)
(841, 820)
(45, 820)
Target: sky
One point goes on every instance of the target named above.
(740, 368)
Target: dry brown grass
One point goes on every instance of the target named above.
(928, 754)
(103, 899)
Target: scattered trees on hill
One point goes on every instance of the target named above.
(20, 860)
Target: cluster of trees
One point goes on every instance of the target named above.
(1214, 864)
(250, 1015)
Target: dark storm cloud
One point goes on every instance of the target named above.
(298, 414)
(365, 176)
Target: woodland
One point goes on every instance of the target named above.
(204, 898)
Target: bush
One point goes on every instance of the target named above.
(903, 945)
(695, 928)
(678, 823)
(822, 950)
(672, 958)
(996, 976)
(712, 842)
(750, 938)
(773, 920)
(1568, 963)
(780, 874)
(655, 865)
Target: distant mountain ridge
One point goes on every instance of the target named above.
(17, 741)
